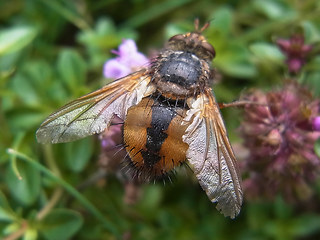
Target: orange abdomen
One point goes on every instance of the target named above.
(153, 133)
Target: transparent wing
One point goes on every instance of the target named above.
(211, 156)
(93, 112)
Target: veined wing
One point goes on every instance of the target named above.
(93, 112)
(211, 156)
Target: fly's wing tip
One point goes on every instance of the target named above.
(229, 211)
(45, 137)
(41, 137)
(227, 203)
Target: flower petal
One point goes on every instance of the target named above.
(115, 69)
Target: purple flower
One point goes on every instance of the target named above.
(111, 137)
(113, 160)
(112, 150)
(128, 61)
(280, 137)
(316, 123)
(113, 154)
(296, 52)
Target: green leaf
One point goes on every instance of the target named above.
(6, 213)
(100, 40)
(72, 69)
(30, 234)
(153, 197)
(39, 74)
(11, 228)
(234, 61)
(222, 20)
(16, 38)
(78, 154)
(258, 214)
(23, 87)
(273, 9)
(176, 28)
(313, 81)
(311, 32)
(267, 52)
(26, 190)
(282, 209)
(107, 224)
(154, 11)
(8, 62)
(21, 119)
(102, 37)
(31, 83)
(239, 69)
(61, 224)
(306, 225)
(69, 11)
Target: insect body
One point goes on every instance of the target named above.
(170, 116)
(153, 133)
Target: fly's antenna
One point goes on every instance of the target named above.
(204, 27)
(196, 24)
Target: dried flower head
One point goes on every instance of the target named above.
(280, 137)
(296, 52)
(127, 61)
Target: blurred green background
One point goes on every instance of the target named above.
(52, 51)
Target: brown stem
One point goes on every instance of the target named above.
(240, 103)
(19, 233)
(53, 201)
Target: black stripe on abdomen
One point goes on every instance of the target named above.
(162, 116)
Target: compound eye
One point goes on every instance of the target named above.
(178, 37)
(207, 46)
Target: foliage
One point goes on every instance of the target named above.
(53, 51)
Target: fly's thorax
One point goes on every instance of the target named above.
(180, 74)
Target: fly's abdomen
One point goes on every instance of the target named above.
(153, 137)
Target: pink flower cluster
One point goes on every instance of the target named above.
(280, 135)
(296, 52)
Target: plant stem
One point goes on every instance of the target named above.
(18, 233)
(49, 158)
(53, 201)
(106, 222)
